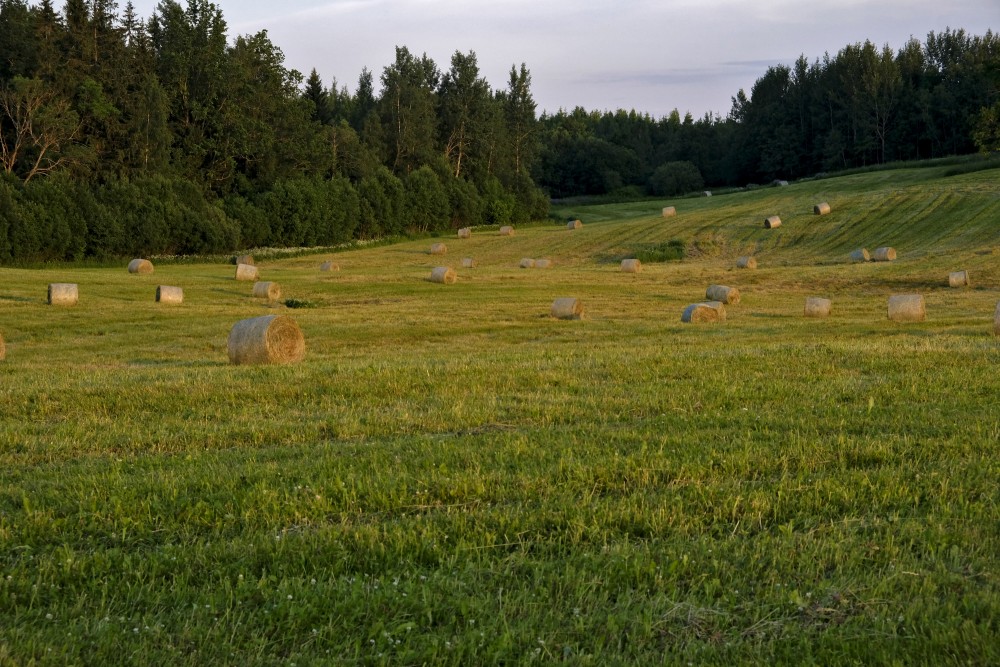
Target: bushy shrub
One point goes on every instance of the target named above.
(675, 178)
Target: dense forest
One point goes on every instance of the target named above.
(123, 136)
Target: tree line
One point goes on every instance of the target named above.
(122, 135)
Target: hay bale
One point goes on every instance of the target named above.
(772, 222)
(567, 308)
(329, 265)
(140, 266)
(169, 295)
(63, 294)
(267, 290)
(818, 307)
(631, 266)
(543, 263)
(958, 279)
(468, 263)
(907, 308)
(506, 230)
(3, 349)
(527, 263)
(669, 211)
(244, 259)
(246, 271)
(444, 275)
(707, 193)
(465, 233)
(746, 263)
(574, 224)
(996, 320)
(861, 255)
(438, 249)
(821, 209)
(781, 184)
(727, 295)
(697, 313)
(885, 254)
(271, 339)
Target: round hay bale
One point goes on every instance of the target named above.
(267, 290)
(958, 279)
(3, 349)
(821, 209)
(567, 308)
(140, 266)
(631, 266)
(329, 265)
(246, 272)
(772, 222)
(781, 184)
(438, 249)
(169, 295)
(907, 308)
(574, 224)
(543, 263)
(444, 275)
(727, 295)
(244, 259)
(271, 339)
(708, 193)
(465, 233)
(468, 263)
(746, 263)
(885, 254)
(697, 313)
(861, 255)
(669, 211)
(996, 320)
(527, 263)
(506, 230)
(818, 307)
(63, 294)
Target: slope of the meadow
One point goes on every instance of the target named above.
(452, 476)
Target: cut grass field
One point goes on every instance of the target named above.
(454, 477)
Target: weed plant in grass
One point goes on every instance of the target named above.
(453, 477)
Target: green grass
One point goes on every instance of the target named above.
(452, 477)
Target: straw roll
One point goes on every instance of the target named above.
(438, 249)
(669, 211)
(468, 263)
(543, 263)
(631, 266)
(958, 279)
(567, 308)
(727, 295)
(907, 308)
(63, 294)
(465, 233)
(746, 263)
(885, 254)
(772, 222)
(821, 208)
(169, 295)
(267, 290)
(140, 266)
(574, 224)
(712, 311)
(246, 272)
(861, 255)
(506, 230)
(329, 265)
(444, 275)
(818, 307)
(271, 339)
(527, 263)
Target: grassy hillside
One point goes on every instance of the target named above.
(451, 476)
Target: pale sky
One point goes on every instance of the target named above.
(693, 55)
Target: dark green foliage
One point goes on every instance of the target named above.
(673, 250)
(675, 178)
(426, 202)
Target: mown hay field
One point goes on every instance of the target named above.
(452, 476)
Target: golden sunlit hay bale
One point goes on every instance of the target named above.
(669, 211)
(438, 249)
(140, 266)
(527, 263)
(468, 263)
(244, 259)
(3, 349)
(746, 263)
(63, 294)
(271, 339)
(818, 307)
(631, 265)
(958, 279)
(543, 263)
(574, 224)
(169, 295)
(996, 320)
(772, 222)
(861, 255)
(567, 308)
(821, 209)
(697, 313)
(267, 290)
(246, 272)
(726, 295)
(885, 254)
(506, 230)
(465, 233)
(907, 308)
(444, 275)
(329, 265)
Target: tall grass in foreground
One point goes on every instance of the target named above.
(453, 477)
